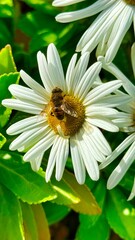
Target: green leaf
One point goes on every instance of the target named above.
(95, 226)
(5, 34)
(65, 195)
(100, 230)
(32, 23)
(5, 81)
(54, 212)
(30, 230)
(35, 222)
(79, 197)
(6, 8)
(37, 2)
(41, 40)
(41, 222)
(2, 140)
(7, 64)
(87, 203)
(121, 215)
(87, 221)
(42, 5)
(11, 226)
(18, 176)
(41, 32)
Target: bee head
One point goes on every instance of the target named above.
(57, 90)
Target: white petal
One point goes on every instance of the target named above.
(122, 167)
(113, 101)
(133, 58)
(102, 46)
(33, 84)
(78, 165)
(101, 91)
(62, 3)
(23, 106)
(61, 156)
(36, 162)
(122, 147)
(78, 73)
(127, 84)
(119, 30)
(103, 123)
(70, 73)
(26, 94)
(99, 27)
(123, 120)
(29, 138)
(86, 12)
(87, 80)
(92, 111)
(40, 147)
(44, 73)
(100, 141)
(89, 162)
(132, 194)
(25, 124)
(97, 155)
(55, 67)
(52, 159)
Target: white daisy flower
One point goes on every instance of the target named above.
(65, 2)
(129, 142)
(108, 29)
(132, 194)
(67, 114)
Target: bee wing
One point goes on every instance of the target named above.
(67, 108)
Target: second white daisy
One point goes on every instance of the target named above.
(129, 142)
(108, 29)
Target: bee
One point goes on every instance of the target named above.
(60, 105)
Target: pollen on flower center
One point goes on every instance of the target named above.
(130, 2)
(65, 113)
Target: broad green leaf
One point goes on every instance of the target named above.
(5, 34)
(6, 8)
(80, 198)
(32, 23)
(41, 222)
(42, 5)
(95, 227)
(29, 223)
(100, 230)
(18, 176)
(11, 224)
(87, 221)
(38, 2)
(65, 195)
(2, 140)
(121, 215)
(35, 223)
(5, 81)
(41, 40)
(54, 212)
(7, 64)
(87, 203)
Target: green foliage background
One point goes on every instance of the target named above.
(26, 200)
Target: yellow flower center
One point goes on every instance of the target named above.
(65, 113)
(130, 2)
